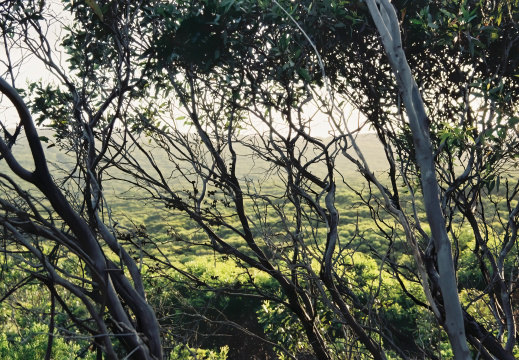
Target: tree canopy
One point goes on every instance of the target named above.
(204, 113)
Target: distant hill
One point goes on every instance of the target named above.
(250, 167)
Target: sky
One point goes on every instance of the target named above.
(27, 68)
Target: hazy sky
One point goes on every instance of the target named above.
(27, 68)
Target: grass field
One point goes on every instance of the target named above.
(174, 237)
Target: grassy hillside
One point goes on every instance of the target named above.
(177, 239)
(175, 232)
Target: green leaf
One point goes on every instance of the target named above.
(97, 10)
(514, 120)
(226, 4)
(304, 74)
(491, 185)
(450, 15)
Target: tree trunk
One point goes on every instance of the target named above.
(386, 20)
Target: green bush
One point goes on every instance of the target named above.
(183, 352)
(31, 343)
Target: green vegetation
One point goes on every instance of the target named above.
(164, 193)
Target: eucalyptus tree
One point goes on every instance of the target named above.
(386, 20)
(465, 43)
(234, 67)
(231, 65)
(231, 69)
(61, 233)
(251, 80)
(480, 30)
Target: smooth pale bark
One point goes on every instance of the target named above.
(386, 21)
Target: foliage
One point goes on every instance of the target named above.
(32, 341)
(183, 352)
(190, 198)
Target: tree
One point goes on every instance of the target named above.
(387, 24)
(386, 20)
(110, 287)
(290, 96)
(245, 76)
